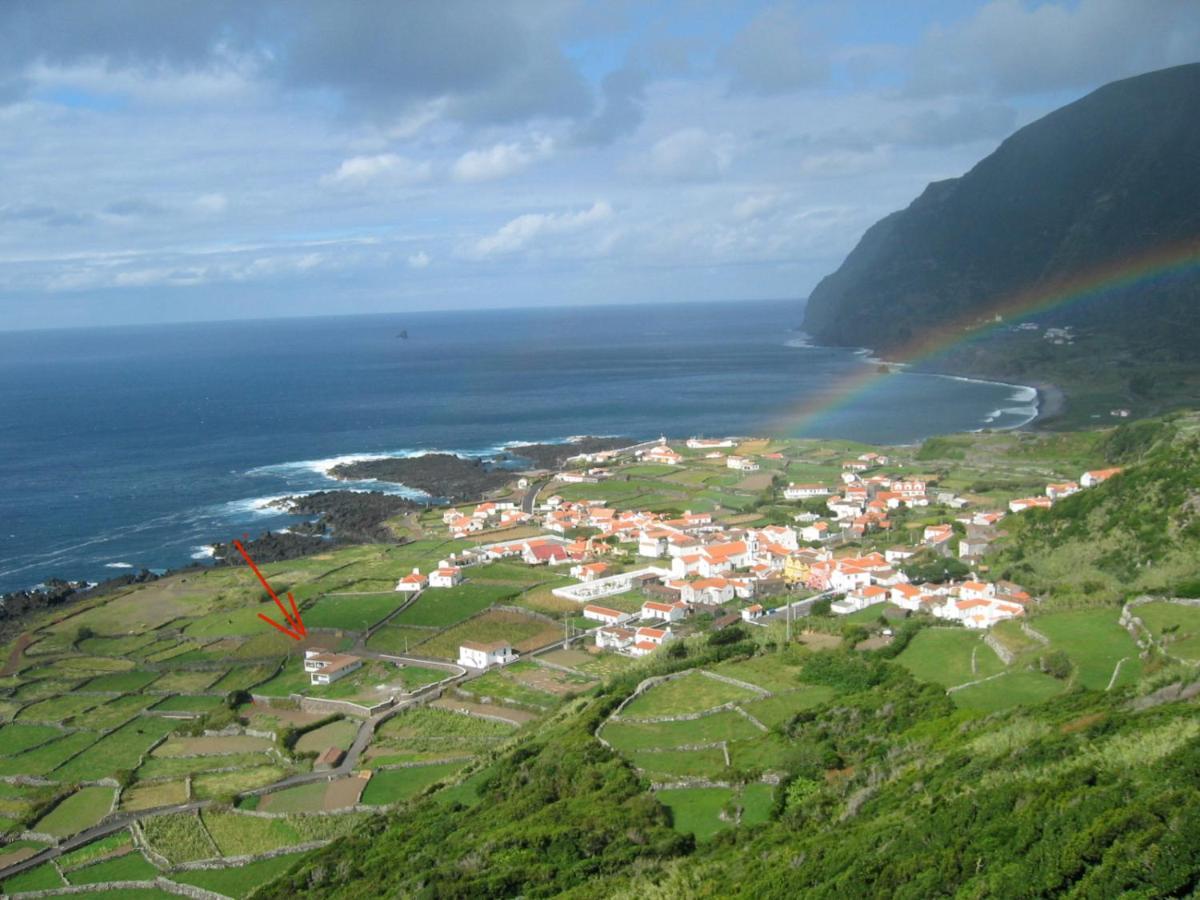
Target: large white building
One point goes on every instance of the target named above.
(324, 667)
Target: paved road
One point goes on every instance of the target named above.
(531, 493)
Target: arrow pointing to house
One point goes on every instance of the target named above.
(297, 629)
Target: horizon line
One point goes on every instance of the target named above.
(376, 314)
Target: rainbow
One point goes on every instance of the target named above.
(1157, 264)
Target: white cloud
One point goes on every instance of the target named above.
(419, 260)
(501, 160)
(212, 204)
(690, 153)
(359, 171)
(518, 233)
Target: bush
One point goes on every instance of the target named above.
(822, 607)
(726, 636)
(1056, 664)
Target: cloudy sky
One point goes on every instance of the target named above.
(166, 160)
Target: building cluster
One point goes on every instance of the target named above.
(1058, 490)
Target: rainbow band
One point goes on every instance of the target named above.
(1159, 263)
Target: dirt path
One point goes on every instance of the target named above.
(13, 665)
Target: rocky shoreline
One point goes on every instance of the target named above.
(450, 478)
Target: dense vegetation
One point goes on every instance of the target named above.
(1139, 531)
(890, 792)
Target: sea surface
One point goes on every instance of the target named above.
(131, 447)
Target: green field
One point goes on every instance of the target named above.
(128, 867)
(521, 630)
(697, 811)
(776, 710)
(943, 656)
(770, 672)
(335, 734)
(80, 811)
(665, 765)
(120, 749)
(352, 613)
(1184, 639)
(1095, 643)
(691, 693)
(723, 726)
(40, 878)
(1009, 690)
(16, 739)
(43, 759)
(441, 607)
(179, 837)
(499, 687)
(241, 881)
(121, 682)
(395, 785)
(237, 834)
(188, 703)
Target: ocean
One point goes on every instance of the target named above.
(131, 447)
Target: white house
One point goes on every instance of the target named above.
(445, 576)
(818, 531)
(671, 612)
(324, 667)
(752, 612)
(412, 582)
(613, 638)
(860, 598)
(711, 591)
(1056, 491)
(480, 656)
(589, 571)
(604, 615)
(741, 463)
(662, 454)
(1023, 503)
(804, 491)
(647, 640)
(1095, 477)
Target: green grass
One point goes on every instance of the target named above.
(398, 640)
(95, 850)
(395, 785)
(59, 709)
(220, 784)
(517, 628)
(240, 881)
(691, 693)
(120, 749)
(188, 703)
(441, 607)
(776, 710)
(178, 767)
(1095, 643)
(352, 613)
(43, 759)
(722, 726)
(80, 811)
(757, 800)
(767, 752)
(121, 682)
(116, 712)
(697, 811)
(243, 678)
(238, 834)
(668, 764)
(499, 687)
(301, 798)
(943, 656)
(16, 739)
(40, 878)
(1007, 691)
(186, 682)
(129, 867)
(335, 734)
(770, 672)
(1184, 642)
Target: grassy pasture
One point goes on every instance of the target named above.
(16, 739)
(120, 749)
(98, 849)
(1095, 643)
(396, 785)
(668, 764)
(80, 811)
(525, 633)
(1184, 641)
(352, 613)
(776, 710)
(121, 682)
(237, 834)
(943, 656)
(43, 759)
(691, 693)
(149, 796)
(179, 837)
(219, 784)
(697, 811)
(1009, 690)
(441, 607)
(335, 734)
(769, 672)
(127, 867)
(723, 726)
(241, 881)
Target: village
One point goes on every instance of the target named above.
(691, 571)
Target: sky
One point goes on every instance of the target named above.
(166, 160)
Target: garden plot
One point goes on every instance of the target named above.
(423, 732)
(156, 768)
(352, 612)
(212, 746)
(725, 725)
(339, 734)
(112, 845)
(121, 682)
(1095, 643)
(218, 785)
(442, 607)
(179, 837)
(341, 793)
(704, 812)
(550, 680)
(152, 796)
(498, 686)
(772, 673)
(43, 759)
(120, 749)
(491, 710)
(116, 712)
(240, 881)
(779, 708)
(15, 739)
(237, 834)
(126, 867)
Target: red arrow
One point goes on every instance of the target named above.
(297, 630)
